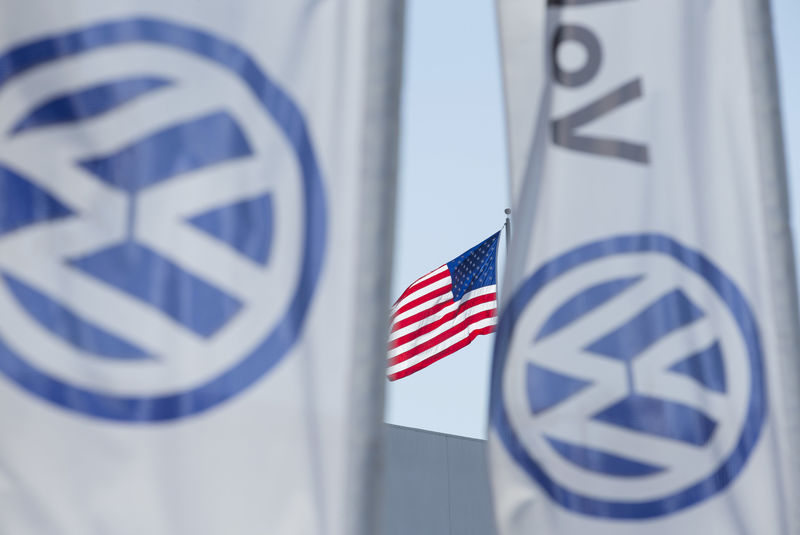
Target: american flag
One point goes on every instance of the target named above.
(444, 310)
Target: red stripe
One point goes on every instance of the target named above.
(424, 298)
(438, 356)
(463, 306)
(416, 285)
(420, 315)
(441, 337)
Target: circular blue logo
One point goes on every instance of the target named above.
(162, 227)
(628, 380)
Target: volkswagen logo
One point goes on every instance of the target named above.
(628, 378)
(162, 223)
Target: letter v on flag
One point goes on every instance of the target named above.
(444, 310)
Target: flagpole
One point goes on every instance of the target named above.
(507, 226)
(508, 229)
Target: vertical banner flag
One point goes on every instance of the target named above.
(187, 341)
(645, 373)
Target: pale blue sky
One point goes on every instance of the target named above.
(453, 180)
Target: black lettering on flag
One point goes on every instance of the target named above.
(594, 55)
(564, 129)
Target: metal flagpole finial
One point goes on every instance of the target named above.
(508, 228)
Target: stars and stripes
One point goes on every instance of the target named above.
(444, 310)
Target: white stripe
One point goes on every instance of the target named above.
(438, 315)
(442, 328)
(423, 306)
(427, 320)
(422, 279)
(400, 366)
(435, 301)
(429, 275)
(421, 323)
(422, 291)
(483, 290)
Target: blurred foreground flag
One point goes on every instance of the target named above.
(183, 188)
(646, 364)
(444, 310)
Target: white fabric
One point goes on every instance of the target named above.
(674, 155)
(284, 455)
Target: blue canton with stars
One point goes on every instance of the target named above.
(476, 268)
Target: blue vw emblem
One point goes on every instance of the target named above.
(628, 378)
(162, 220)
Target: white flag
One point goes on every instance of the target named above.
(646, 367)
(195, 227)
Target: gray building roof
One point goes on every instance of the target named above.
(435, 484)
